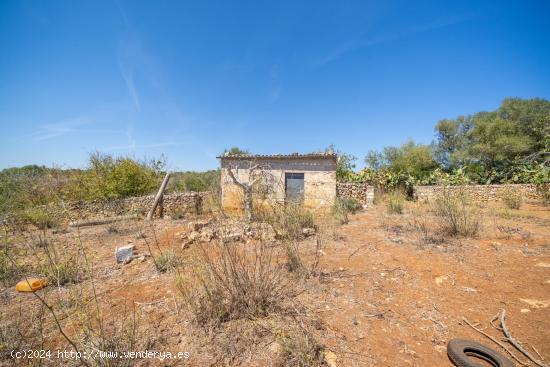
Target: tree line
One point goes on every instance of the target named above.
(508, 145)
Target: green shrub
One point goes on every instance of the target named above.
(40, 217)
(512, 198)
(109, 178)
(194, 181)
(395, 202)
(456, 215)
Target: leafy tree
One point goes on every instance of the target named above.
(410, 158)
(108, 177)
(345, 164)
(194, 181)
(491, 145)
(235, 151)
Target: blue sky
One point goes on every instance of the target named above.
(189, 78)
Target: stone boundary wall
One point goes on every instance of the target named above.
(364, 193)
(174, 204)
(477, 192)
(361, 192)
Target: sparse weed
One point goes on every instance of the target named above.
(511, 198)
(395, 202)
(63, 272)
(456, 214)
(343, 207)
(299, 349)
(294, 261)
(543, 192)
(178, 213)
(110, 339)
(288, 220)
(166, 261)
(8, 271)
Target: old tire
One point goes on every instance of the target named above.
(460, 352)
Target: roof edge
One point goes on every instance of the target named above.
(278, 156)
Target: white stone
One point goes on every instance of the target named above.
(124, 254)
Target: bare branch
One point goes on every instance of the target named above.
(515, 343)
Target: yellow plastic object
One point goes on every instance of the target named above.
(30, 285)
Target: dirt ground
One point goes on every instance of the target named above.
(389, 293)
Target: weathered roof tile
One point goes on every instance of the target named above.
(278, 156)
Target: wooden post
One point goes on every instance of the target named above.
(159, 196)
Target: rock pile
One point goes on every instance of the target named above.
(227, 230)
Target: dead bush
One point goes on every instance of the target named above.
(102, 340)
(294, 261)
(421, 226)
(20, 332)
(236, 342)
(63, 272)
(230, 283)
(113, 229)
(511, 198)
(61, 267)
(456, 214)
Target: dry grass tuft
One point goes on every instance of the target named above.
(543, 192)
(299, 349)
(166, 261)
(395, 202)
(456, 214)
(343, 207)
(511, 198)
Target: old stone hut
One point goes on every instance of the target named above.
(306, 179)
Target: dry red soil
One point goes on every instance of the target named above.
(385, 296)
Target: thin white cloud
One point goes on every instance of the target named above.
(133, 146)
(128, 77)
(353, 45)
(50, 131)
